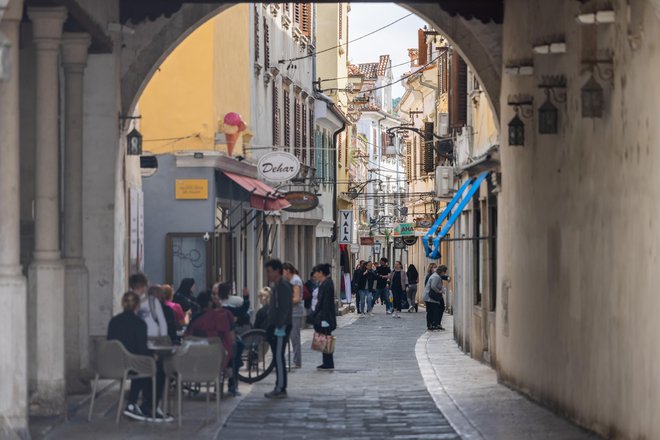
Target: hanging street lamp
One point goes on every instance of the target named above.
(523, 106)
(593, 99)
(516, 132)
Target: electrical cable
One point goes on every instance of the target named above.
(290, 60)
(348, 77)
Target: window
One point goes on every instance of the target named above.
(477, 248)
(458, 95)
(256, 32)
(266, 43)
(408, 163)
(429, 153)
(296, 128)
(188, 255)
(347, 151)
(339, 143)
(276, 115)
(341, 15)
(306, 25)
(303, 132)
(297, 13)
(287, 120)
(312, 140)
(492, 218)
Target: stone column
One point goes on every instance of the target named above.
(13, 345)
(74, 60)
(46, 274)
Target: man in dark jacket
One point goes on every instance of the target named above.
(279, 323)
(131, 331)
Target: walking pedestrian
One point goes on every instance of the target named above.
(413, 279)
(371, 276)
(292, 275)
(325, 319)
(383, 273)
(398, 284)
(433, 297)
(279, 323)
(357, 284)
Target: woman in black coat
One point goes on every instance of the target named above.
(325, 319)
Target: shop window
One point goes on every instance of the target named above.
(188, 257)
(477, 249)
(493, 254)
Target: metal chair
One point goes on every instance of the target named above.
(113, 361)
(199, 363)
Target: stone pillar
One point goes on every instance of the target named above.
(13, 345)
(74, 60)
(46, 274)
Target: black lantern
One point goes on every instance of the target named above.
(516, 132)
(134, 142)
(548, 117)
(592, 99)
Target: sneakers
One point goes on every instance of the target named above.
(167, 418)
(134, 412)
(362, 315)
(410, 309)
(371, 313)
(275, 394)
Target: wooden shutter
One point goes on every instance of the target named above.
(296, 128)
(339, 146)
(276, 116)
(287, 120)
(421, 47)
(306, 26)
(347, 151)
(408, 162)
(341, 16)
(297, 13)
(429, 157)
(458, 92)
(256, 32)
(312, 137)
(415, 158)
(266, 43)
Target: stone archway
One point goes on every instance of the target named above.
(478, 43)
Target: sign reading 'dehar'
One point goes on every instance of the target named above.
(278, 166)
(192, 189)
(301, 201)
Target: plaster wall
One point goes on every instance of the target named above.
(578, 231)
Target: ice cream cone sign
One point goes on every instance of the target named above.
(232, 126)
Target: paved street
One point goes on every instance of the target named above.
(385, 369)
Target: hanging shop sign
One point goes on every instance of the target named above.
(398, 243)
(404, 229)
(301, 201)
(409, 240)
(377, 248)
(355, 248)
(345, 227)
(367, 241)
(423, 224)
(192, 189)
(278, 166)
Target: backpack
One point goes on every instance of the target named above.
(307, 295)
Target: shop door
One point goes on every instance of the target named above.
(188, 256)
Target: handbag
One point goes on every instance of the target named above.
(323, 343)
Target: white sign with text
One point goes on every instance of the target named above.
(345, 227)
(278, 166)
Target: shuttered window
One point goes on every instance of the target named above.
(429, 156)
(339, 146)
(312, 138)
(421, 47)
(266, 43)
(306, 25)
(408, 162)
(296, 128)
(276, 115)
(297, 13)
(415, 158)
(346, 157)
(287, 120)
(303, 133)
(458, 93)
(256, 33)
(341, 16)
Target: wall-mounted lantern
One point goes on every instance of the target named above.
(555, 89)
(593, 99)
(523, 106)
(134, 143)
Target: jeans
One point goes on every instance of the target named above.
(412, 295)
(297, 322)
(398, 295)
(365, 301)
(384, 296)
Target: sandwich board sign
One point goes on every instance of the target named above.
(345, 227)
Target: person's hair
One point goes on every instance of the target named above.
(275, 265)
(413, 270)
(154, 290)
(168, 292)
(290, 267)
(186, 286)
(264, 294)
(324, 268)
(442, 269)
(399, 263)
(383, 260)
(130, 301)
(204, 299)
(224, 289)
(137, 281)
(430, 268)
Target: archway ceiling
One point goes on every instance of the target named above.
(139, 11)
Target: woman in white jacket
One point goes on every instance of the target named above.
(151, 312)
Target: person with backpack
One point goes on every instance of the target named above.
(150, 311)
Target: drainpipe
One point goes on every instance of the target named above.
(335, 135)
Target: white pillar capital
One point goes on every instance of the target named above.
(47, 26)
(74, 51)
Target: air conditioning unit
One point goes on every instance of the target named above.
(444, 181)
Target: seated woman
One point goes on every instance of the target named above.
(131, 331)
(261, 320)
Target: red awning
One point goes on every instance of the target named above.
(262, 196)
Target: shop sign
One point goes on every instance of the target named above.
(404, 229)
(409, 240)
(398, 243)
(377, 248)
(355, 248)
(367, 241)
(301, 201)
(278, 166)
(192, 189)
(346, 227)
(423, 224)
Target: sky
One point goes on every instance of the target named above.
(395, 40)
